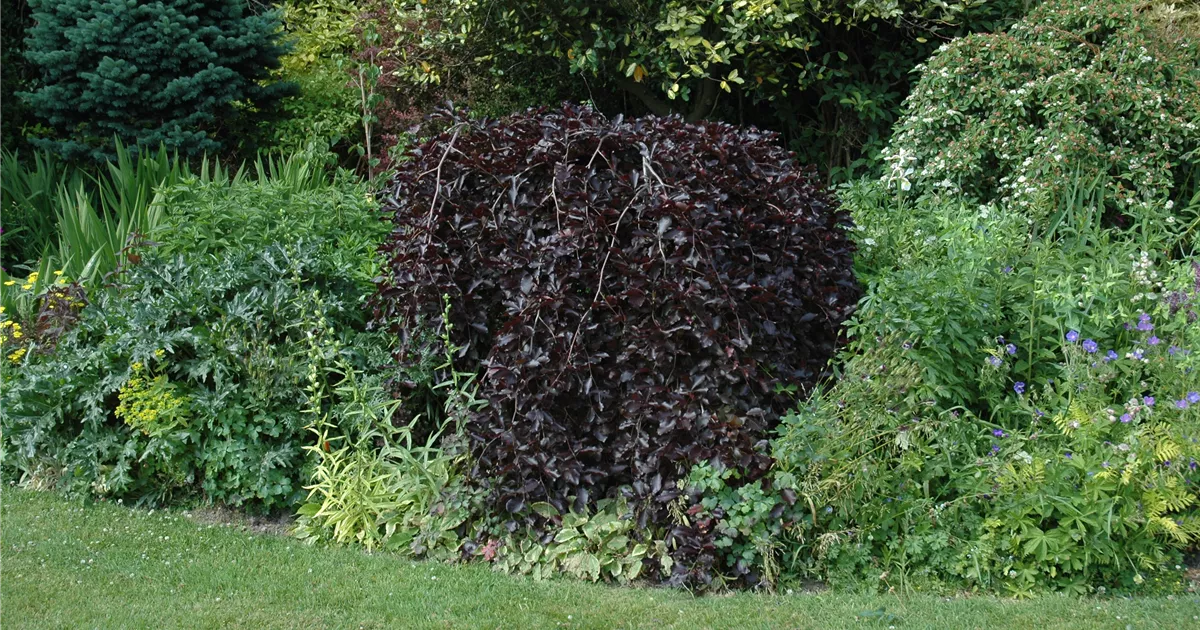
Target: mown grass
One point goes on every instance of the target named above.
(67, 566)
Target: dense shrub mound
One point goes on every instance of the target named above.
(189, 375)
(632, 292)
(1074, 96)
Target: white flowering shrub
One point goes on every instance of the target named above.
(1075, 93)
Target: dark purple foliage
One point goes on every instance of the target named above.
(631, 291)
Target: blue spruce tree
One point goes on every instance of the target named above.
(189, 74)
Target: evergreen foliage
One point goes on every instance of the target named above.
(183, 73)
(16, 74)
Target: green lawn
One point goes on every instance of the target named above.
(67, 566)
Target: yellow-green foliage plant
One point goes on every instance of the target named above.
(375, 481)
(151, 403)
(323, 34)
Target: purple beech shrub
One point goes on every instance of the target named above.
(634, 294)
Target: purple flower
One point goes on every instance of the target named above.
(1010, 348)
(994, 361)
(1148, 401)
(1067, 454)
(1138, 354)
(1182, 404)
(1192, 465)
(1144, 323)
(1073, 336)
(1193, 397)
(1039, 413)
(1153, 340)
(1104, 464)
(1111, 356)
(999, 433)
(1126, 418)
(995, 449)
(1173, 350)
(1019, 387)
(1090, 346)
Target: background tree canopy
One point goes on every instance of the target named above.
(828, 75)
(16, 74)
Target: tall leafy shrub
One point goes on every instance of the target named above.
(1014, 118)
(186, 377)
(177, 72)
(633, 292)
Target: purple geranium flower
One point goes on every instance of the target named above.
(1111, 356)
(1193, 397)
(999, 433)
(1181, 404)
(1090, 346)
(1148, 401)
(1019, 387)
(1153, 340)
(1067, 454)
(1073, 336)
(1126, 418)
(994, 361)
(1010, 348)
(1173, 350)
(1144, 323)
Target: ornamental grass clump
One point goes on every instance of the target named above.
(635, 294)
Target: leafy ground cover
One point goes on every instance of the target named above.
(69, 566)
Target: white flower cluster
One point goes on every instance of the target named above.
(1145, 278)
(900, 170)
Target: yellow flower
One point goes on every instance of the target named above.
(32, 278)
(27, 286)
(16, 355)
(2, 309)
(10, 283)
(58, 273)
(160, 353)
